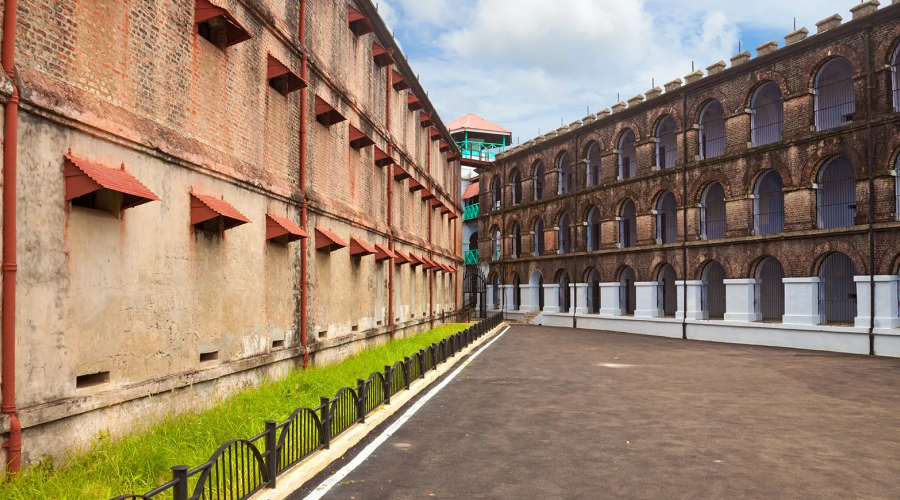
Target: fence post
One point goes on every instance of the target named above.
(180, 474)
(406, 369)
(271, 451)
(361, 396)
(326, 421)
(422, 363)
(388, 383)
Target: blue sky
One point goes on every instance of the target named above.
(526, 64)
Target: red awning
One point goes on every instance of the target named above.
(452, 216)
(453, 156)
(445, 209)
(359, 248)
(358, 23)
(326, 241)
(204, 208)
(400, 258)
(444, 146)
(436, 203)
(382, 159)
(383, 253)
(83, 177)
(326, 114)
(358, 139)
(471, 191)
(435, 133)
(400, 173)
(415, 185)
(425, 119)
(427, 195)
(452, 269)
(382, 56)
(281, 78)
(282, 227)
(400, 82)
(204, 10)
(414, 103)
(428, 263)
(414, 260)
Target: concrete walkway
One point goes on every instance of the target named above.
(548, 413)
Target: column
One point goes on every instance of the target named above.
(490, 297)
(740, 300)
(887, 301)
(551, 298)
(581, 298)
(801, 301)
(610, 303)
(693, 309)
(647, 303)
(529, 302)
(510, 291)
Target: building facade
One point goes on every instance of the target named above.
(209, 193)
(756, 203)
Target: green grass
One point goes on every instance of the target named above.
(139, 462)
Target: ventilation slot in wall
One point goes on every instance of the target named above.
(92, 380)
(354, 328)
(323, 334)
(277, 344)
(206, 357)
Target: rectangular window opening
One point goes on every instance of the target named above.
(206, 357)
(92, 380)
(354, 328)
(323, 334)
(277, 344)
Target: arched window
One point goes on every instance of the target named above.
(712, 130)
(516, 186)
(712, 298)
(627, 291)
(593, 292)
(564, 293)
(837, 290)
(897, 188)
(592, 156)
(495, 244)
(895, 78)
(666, 296)
(516, 241)
(666, 145)
(498, 301)
(768, 204)
(564, 235)
(539, 181)
(496, 193)
(712, 212)
(473, 241)
(770, 290)
(517, 293)
(566, 173)
(766, 115)
(666, 219)
(836, 193)
(593, 229)
(835, 99)
(536, 282)
(627, 225)
(627, 155)
(539, 236)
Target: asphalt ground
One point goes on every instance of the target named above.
(547, 413)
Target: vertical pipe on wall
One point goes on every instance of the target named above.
(870, 153)
(390, 199)
(303, 215)
(431, 245)
(10, 136)
(684, 204)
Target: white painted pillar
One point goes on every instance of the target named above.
(801, 301)
(529, 299)
(740, 300)
(510, 291)
(647, 303)
(693, 309)
(581, 298)
(887, 301)
(490, 297)
(551, 297)
(610, 304)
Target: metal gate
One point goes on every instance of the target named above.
(474, 296)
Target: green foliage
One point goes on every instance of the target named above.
(139, 462)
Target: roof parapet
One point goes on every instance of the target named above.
(696, 76)
(588, 119)
(864, 9)
(829, 23)
(653, 93)
(796, 36)
(634, 101)
(716, 68)
(767, 48)
(673, 85)
(740, 58)
(575, 124)
(619, 107)
(603, 114)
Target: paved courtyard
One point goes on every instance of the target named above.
(559, 413)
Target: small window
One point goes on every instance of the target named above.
(768, 204)
(539, 237)
(566, 176)
(217, 26)
(214, 215)
(89, 185)
(666, 144)
(593, 229)
(281, 78)
(539, 180)
(277, 344)
(767, 115)
(712, 212)
(627, 155)
(712, 130)
(666, 219)
(627, 225)
(564, 237)
(206, 357)
(91, 380)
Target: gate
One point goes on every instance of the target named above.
(474, 296)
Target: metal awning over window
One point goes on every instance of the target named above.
(425, 119)
(359, 248)
(283, 229)
(414, 103)
(435, 134)
(382, 56)
(358, 139)
(358, 23)
(452, 216)
(204, 208)
(444, 147)
(400, 258)
(382, 159)
(415, 185)
(205, 10)
(427, 195)
(400, 82)
(400, 173)
(83, 177)
(326, 114)
(471, 191)
(436, 203)
(281, 78)
(326, 241)
(414, 260)
(383, 253)
(445, 209)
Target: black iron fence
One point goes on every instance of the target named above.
(242, 467)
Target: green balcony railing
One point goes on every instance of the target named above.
(471, 257)
(481, 151)
(470, 212)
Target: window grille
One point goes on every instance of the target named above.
(566, 174)
(564, 238)
(712, 212)
(627, 292)
(712, 131)
(666, 219)
(666, 144)
(628, 225)
(836, 194)
(539, 181)
(713, 296)
(539, 237)
(767, 115)
(517, 241)
(770, 290)
(895, 78)
(593, 230)
(517, 188)
(593, 165)
(564, 295)
(627, 155)
(495, 250)
(666, 294)
(768, 206)
(496, 194)
(835, 99)
(593, 292)
(897, 188)
(837, 290)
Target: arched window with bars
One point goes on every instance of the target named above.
(564, 293)
(566, 173)
(496, 193)
(895, 78)
(516, 186)
(712, 297)
(516, 241)
(666, 294)
(627, 225)
(768, 204)
(835, 98)
(712, 212)
(897, 188)
(770, 290)
(564, 235)
(712, 130)
(766, 115)
(539, 236)
(666, 143)
(495, 243)
(627, 155)
(666, 219)
(593, 292)
(593, 229)
(627, 291)
(538, 181)
(836, 193)
(837, 290)
(592, 158)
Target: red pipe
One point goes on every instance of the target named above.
(431, 248)
(303, 242)
(390, 204)
(10, 130)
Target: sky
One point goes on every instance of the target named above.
(530, 65)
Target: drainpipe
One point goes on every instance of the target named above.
(10, 130)
(390, 200)
(684, 198)
(303, 221)
(430, 251)
(869, 162)
(573, 294)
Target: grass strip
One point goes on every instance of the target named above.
(139, 462)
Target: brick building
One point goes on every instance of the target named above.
(210, 192)
(755, 203)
